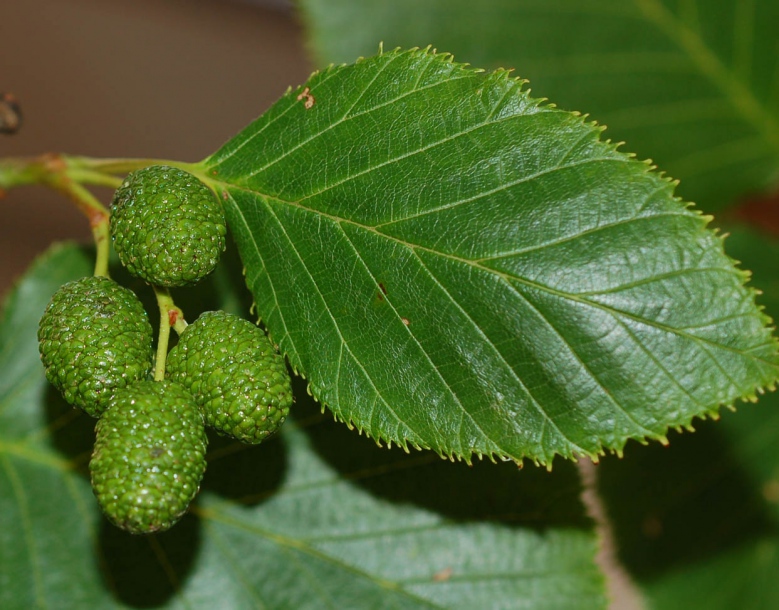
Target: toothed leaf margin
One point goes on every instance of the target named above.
(458, 266)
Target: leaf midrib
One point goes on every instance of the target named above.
(721, 77)
(215, 515)
(502, 275)
(22, 503)
(462, 410)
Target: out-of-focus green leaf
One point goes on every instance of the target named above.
(692, 85)
(697, 522)
(456, 266)
(317, 517)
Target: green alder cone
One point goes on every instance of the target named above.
(149, 456)
(94, 338)
(239, 380)
(168, 228)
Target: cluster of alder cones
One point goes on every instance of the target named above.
(96, 344)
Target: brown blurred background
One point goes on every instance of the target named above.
(131, 78)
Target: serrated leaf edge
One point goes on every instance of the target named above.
(711, 412)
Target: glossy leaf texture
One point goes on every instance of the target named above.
(697, 523)
(692, 85)
(454, 265)
(317, 517)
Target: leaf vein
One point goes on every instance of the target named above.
(344, 119)
(239, 214)
(327, 308)
(659, 278)
(657, 362)
(579, 235)
(427, 147)
(235, 567)
(281, 541)
(603, 389)
(506, 276)
(410, 333)
(710, 65)
(26, 523)
(500, 355)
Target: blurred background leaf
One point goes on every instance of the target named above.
(317, 517)
(456, 266)
(697, 522)
(692, 85)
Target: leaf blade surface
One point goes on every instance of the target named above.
(692, 86)
(315, 518)
(456, 266)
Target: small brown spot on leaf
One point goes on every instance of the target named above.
(225, 195)
(383, 289)
(405, 321)
(443, 575)
(309, 99)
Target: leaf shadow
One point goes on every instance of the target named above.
(224, 289)
(147, 571)
(244, 473)
(501, 492)
(687, 503)
(72, 432)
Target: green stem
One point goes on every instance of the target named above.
(47, 169)
(95, 166)
(68, 175)
(102, 237)
(96, 213)
(170, 316)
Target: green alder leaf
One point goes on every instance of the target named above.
(692, 85)
(317, 517)
(697, 523)
(454, 265)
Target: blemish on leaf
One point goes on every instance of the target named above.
(442, 575)
(306, 95)
(380, 293)
(173, 317)
(225, 195)
(405, 321)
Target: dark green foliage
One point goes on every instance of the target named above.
(149, 456)
(94, 338)
(456, 265)
(236, 375)
(168, 227)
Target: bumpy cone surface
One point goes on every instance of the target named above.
(237, 377)
(149, 456)
(94, 338)
(168, 227)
